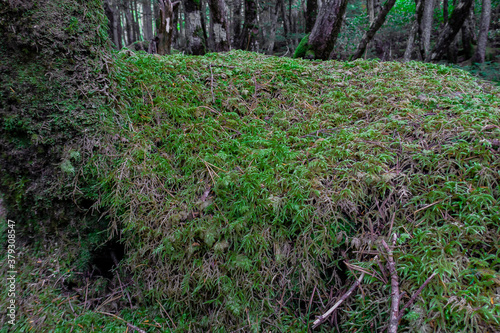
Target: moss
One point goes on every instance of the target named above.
(303, 47)
(235, 192)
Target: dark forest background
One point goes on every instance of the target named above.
(464, 32)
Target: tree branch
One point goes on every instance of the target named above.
(412, 299)
(394, 313)
(324, 316)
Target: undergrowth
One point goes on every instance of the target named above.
(251, 190)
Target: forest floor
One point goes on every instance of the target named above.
(250, 192)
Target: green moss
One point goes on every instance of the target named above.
(296, 170)
(302, 49)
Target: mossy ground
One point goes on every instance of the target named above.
(251, 190)
(248, 188)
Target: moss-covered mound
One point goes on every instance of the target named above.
(250, 191)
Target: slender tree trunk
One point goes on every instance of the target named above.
(248, 40)
(194, 29)
(284, 20)
(179, 41)
(376, 24)
(479, 55)
(112, 24)
(137, 28)
(129, 26)
(203, 17)
(311, 14)
(450, 30)
(219, 27)
(413, 33)
(237, 22)
(370, 8)
(119, 28)
(272, 31)
(468, 34)
(426, 27)
(164, 27)
(320, 43)
(147, 19)
(175, 26)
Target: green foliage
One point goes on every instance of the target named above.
(241, 179)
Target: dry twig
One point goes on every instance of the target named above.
(412, 299)
(394, 313)
(324, 316)
(129, 325)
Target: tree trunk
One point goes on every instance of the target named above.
(219, 27)
(283, 18)
(479, 55)
(450, 30)
(250, 30)
(272, 31)
(204, 10)
(164, 27)
(119, 29)
(311, 14)
(137, 28)
(426, 27)
(194, 29)
(321, 41)
(413, 33)
(147, 19)
(236, 22)
(468, 34)
(129, 26)
(112, 26)
(376, 24)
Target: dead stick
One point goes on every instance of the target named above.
(212, 84)
(412, 299)
(394, 314)
(324, 316)
(129, 325)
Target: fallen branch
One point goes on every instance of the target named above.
(412, 299)
(324, 316)
(129, 325)
(394, 313)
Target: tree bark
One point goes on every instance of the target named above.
(236, 24)
(374, 26)
(248, 40)
(219, 27)
(370, 8)
(194, 29)
(119, 29)
(311, 14)
(413, 33)
(164, 27)
(272, 31)
(450, 30)
(479, 55)
(147, 19)
(468, 33)
(321, 41)
(284, 20)
(129, 25)
(426, 27)
(112, 26)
